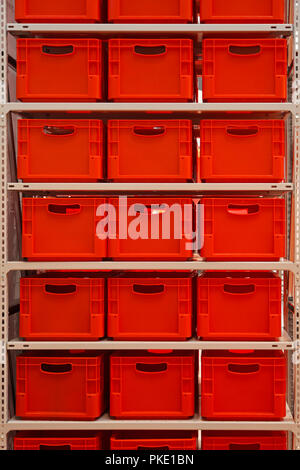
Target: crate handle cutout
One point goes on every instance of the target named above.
(58, 131)
(155, 211)
(244, 50)
(149, 289)
(150, 50)
(151, 367)
(50, 447)
(240, 209)
(61, 209)
(58, 50)
(59, 290)
(149, 131)
(242, 131)
(153, 448)
(244, 446)
(236, 289)
(243, 368)
(160, 351)
(241, 351)
(56, 368)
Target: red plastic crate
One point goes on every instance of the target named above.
(62, 229)
(247, 70)
(157, 308)
(150, 440)
(239, 306)
(245, 11)
(150, 150)
(54, 150)
(150, 70)
(47, 440)
(242, 151)
(48, 70)
(243, 386)
(60, 387)
(152, 386)
(244, 440)
(58, 11)
(156, 217)
(244, 229)
(61, 309)
(150, 11)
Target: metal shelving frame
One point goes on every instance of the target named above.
(11, 264)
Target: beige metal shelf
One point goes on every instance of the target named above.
(151, 265)
(196, 423)
(18, 29)
(199, 188)
(196, 108)
(283, 343)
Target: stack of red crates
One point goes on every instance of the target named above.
(150, 306)
(64, 306)
(145, 307)
(239, 306)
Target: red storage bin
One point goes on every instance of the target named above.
(60, 387)
(150, 440)
(239, 306)
(149, 308)
(152, 386)
(62, 229)
(150, 70)
(244, 440)
(150, 150)
(47, 440)
(247, 70)
(122, 246)
(150, 11)
(246, 11)
(235, 151)
(59, 70)
(61, 309)
(244, 229)
(58, 11)
(245, 385)
(54, 150)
